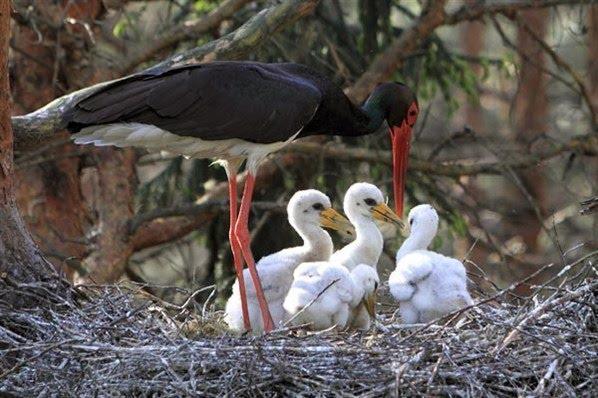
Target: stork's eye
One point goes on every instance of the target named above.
(411, 222)
(318, 206)
(370, 202)
(412, 113)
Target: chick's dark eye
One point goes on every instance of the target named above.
(411, 222)
(318, 206)
(370, 202)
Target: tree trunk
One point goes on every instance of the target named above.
(20, 259)
(49, 194)
(593, 76)
(531, 112)
(593, 52)
(472, 37)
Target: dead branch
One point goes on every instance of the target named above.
(113, 344)
(190, 209)
(586, 144)
(162, 230)
(589, 206)
(475, 11)
(560, 62)
(187, 31)
(387, 62)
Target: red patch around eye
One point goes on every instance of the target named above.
(412, 114)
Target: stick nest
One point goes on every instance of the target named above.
(117, 343)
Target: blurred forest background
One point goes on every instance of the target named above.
(505, 147)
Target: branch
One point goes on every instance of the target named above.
(472, 12)
(40, 125)
(155, 231)
(587, 144)
(386, 63)
(188, 30)
(193, 209)
(246, 38)
(558, 61)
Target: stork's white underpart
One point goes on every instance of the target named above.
(154, 139)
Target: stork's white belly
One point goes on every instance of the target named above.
(154, 139)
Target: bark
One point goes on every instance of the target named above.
(472, 37)
(531, 113)
(49, 195)
(593, 52)
(20, 260)
(368, 16)
(386, 63)
(117, 182)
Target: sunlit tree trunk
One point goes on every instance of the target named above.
(472, 41)
(593, 77)
(49, 194)
(472, 38)
(20, 259)
(531, 113)
(593, 52)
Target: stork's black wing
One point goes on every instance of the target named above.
(256, 102)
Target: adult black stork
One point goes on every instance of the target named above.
(236, 111)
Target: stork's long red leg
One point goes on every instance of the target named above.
(242, 234)
(236, 248)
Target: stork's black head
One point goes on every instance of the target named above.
(398, 102)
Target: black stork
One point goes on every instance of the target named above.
(236, 111)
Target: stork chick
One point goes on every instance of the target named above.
(362, 204)
(308, 211)
(324, 295)
(426, 284)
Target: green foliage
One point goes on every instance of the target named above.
(120, 28)
(129, 24)
(440, 70)
(204, 6)
(457, 223)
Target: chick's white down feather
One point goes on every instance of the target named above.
(368, 244)
(325, 294)
(276, 270)
(427, 285)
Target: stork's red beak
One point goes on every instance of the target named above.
(400, 137)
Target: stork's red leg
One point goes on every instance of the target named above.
(236, 248)
(242, 234)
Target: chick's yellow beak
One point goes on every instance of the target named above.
(330, 218)
(369, 301)
(384, 213)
